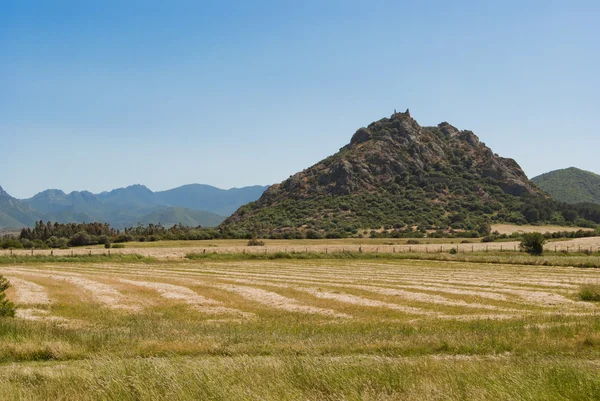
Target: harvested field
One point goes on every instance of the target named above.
(214, 329)
(307, 246)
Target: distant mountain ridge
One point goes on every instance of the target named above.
(193, 205)
(570, 185)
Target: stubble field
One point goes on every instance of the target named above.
(299, 329)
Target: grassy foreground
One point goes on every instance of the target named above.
(465, 345)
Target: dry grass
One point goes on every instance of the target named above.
(303, 329)
(177, 250)
(513, 228)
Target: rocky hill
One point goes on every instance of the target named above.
(395, 174)
(571, 185)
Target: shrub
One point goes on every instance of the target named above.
(118, 246)
(80, 239)
(7, 308)
(256, 242)
(488, 238)
(413, 242)
(453, 251)
(107, 245)
(533, 243)
(312, 234)
(589, 292)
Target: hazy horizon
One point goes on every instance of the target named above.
(105, 95)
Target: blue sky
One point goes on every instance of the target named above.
(103, 94)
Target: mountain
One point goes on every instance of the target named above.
(194, 204)
(170, 216)
(395, 173)
(206, 197)
(14, 213)
(571, 185)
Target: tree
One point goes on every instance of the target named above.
(7, 308)
(533, 243)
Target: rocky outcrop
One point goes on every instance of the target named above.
(395, 160)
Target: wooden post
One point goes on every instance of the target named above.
(11, 253)
(52, 253)
(31, 251)
(441, 248)
(394, 250)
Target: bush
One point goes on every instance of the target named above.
(256, 242)
(117, 246)
(80, 239)
(413, 242)
(589, 292)
(453, 251)
(488, 238)
(7, 308)
(533, 243)
(107, 245)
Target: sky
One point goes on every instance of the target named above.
(96, 95)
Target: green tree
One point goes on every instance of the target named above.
(533, 243)
(7, 308)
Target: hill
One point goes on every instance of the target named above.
(396, 174)
(170, 216)
(206, 197)
(14, 213)
(193, 204)
(571, 185)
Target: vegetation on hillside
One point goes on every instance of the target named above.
(571, 185)
(397, 175)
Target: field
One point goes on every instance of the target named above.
(298, 329)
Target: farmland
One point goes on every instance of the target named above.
(298, 329)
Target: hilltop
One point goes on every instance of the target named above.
(396, 174)
(571, 185)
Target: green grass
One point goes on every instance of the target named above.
(589, 292)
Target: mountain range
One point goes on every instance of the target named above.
(191, 205)
(396, 174)
(571, 185)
